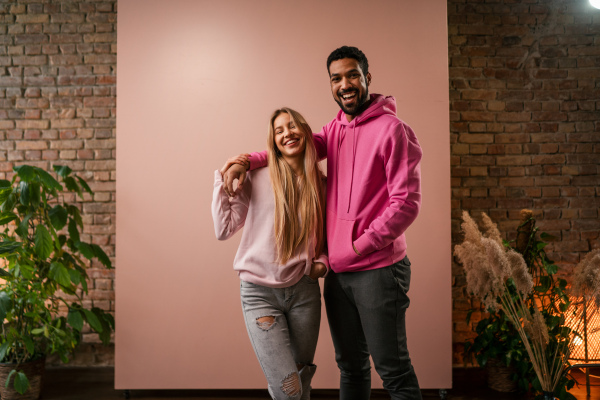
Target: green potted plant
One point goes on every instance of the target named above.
(498, 348)
(43, 264)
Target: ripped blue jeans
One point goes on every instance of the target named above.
(283, 326)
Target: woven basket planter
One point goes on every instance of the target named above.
(34, 370)
(498, 376)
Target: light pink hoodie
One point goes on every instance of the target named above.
(373, 185)
(254, 209)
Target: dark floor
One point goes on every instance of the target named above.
(98, 384)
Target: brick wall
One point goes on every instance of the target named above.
(524, 122)
(57, 106)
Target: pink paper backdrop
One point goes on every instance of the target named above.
(197, 81)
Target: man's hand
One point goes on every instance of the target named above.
(234, 168)
(236, 171)
(317, 270)
(241, 159)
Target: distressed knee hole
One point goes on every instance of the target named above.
(265, 323)
(291, 384)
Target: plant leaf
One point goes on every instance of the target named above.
(62, 170)
(104, 319)
(73, 186)
(26, 267)
(37, 331)
(5, 306)
(58, 216)
(25, 172)
(43, 242)
(84, 185)
(73, 231)
(3, 350)
(24, 197)
(48, 180)
(7, 217)
(9, 202)
(29, 344)
(5, 190)
(60, 274)
(34, 194)
(91, 319)
(547, 236)
(551, 269)
(85, 249)
(23, 228)
(101, 255)
(21, 383)
(76, 214)
(75, 276)
(8, 246)
(75, 319)
(14, 371)
(110, 320)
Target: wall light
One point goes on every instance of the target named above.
(595, 3)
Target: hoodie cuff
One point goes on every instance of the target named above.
(256, 162)
(364, 245)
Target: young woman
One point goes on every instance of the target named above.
(281, 254)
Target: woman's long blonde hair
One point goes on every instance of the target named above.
(299, 208)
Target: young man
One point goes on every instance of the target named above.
(373, 195)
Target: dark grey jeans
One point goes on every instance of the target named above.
(366, 312)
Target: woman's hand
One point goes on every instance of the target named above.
(317, 270)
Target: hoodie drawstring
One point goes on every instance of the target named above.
(353, 162)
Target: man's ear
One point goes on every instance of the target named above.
(368, 79)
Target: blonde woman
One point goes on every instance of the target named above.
(281, 254)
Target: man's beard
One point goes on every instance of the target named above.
(361, 104)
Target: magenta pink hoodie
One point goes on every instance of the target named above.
(373, 185)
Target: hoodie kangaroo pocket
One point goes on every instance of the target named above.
(341, 252)
(384, 255)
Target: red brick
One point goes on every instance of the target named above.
(519, 182)
(67, 144)
(476, 138)
(549, 159)
(514, 160)
(32, 18)
(65, 59)
(100, 165)
(31, 145)
(85, 154)
(50, 155)
(100, 59)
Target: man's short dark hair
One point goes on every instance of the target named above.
(349, 52)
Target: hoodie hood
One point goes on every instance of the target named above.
(380, 105)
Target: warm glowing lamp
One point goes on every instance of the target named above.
(583, 317)
(595, 3)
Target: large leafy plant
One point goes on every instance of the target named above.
(43, 265)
